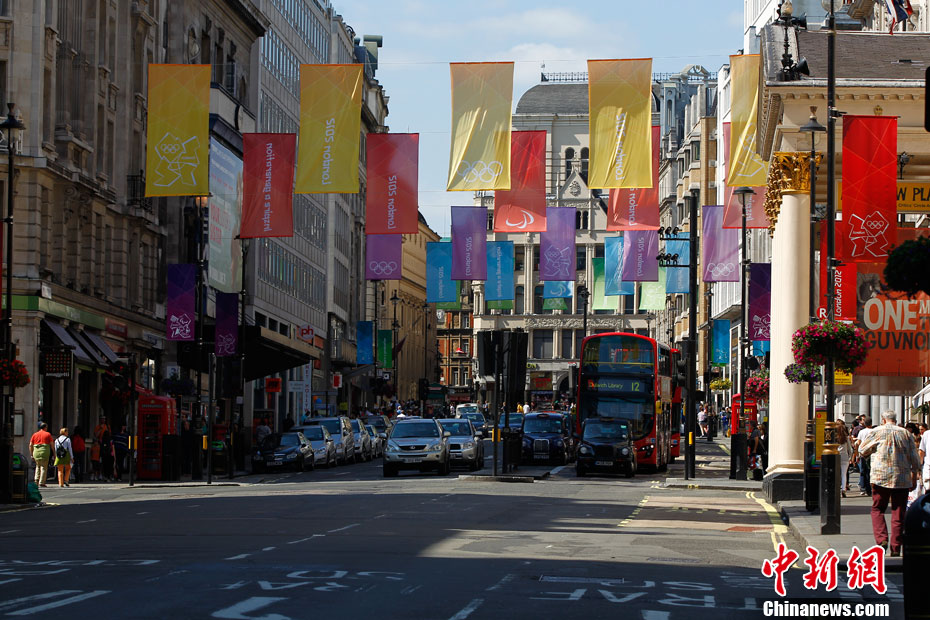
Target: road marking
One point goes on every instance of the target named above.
(10, 580)
(468, 609)
(557, 470)
(142, 513)
(294, 542)
(88, 521)
(342, 473)
(238, 611)
(635, 512)
(269, 548)
(779, 529)
(649, 614)
(342, 529)
(67, 601)
(379, 516)
(9, 531)
(240, 556)
(410, 589)
(504, 581)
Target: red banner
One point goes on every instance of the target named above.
(393, 168)
(870, 206)
(733, 208)
(637, 209)
(844, 307)
(267, 185)
(522, 208)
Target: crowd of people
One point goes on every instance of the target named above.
(67, 454)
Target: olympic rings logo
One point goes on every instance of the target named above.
(382, 268)
(472, 172)
(719, 270)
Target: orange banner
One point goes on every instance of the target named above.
(391, 200)
(637, 209)
(522, 208)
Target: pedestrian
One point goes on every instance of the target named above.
(78, 447)
(924, 454)
(846, 452)
(756, 449)
(893, 474)
(865, 487)
(106, 456)
(101, 428)
(120, 450)
(40, 444)
(262, 432)
(64, 456)
(702, 421)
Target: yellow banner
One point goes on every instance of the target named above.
(620, 123)
(177, 157)
(913, 197)
(744, 165)
(482, 96)
(330, 125)
(842, 378)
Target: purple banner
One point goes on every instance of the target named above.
(469, 243)
(182, 285)
(227, 324)
(383, 257)
(640, 252)
(760, 300)
(557, 245)
(719, 247)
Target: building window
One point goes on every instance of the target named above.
(519, 257)
(567, 336)
(579, 337)
(466, 323)
(599, 251)
(455, 376)
(518, 300)
(542, 344)
(579, 304)
(569, 156)
(581, 219)
(696, 151)
(581, 258)
(584, 164)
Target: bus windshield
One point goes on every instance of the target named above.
(619, 353)
(638, 412)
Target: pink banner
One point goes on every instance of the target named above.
(267, 185)
(391, 200)
(637, 209)
(719, 248)
(180, 301)
(469, 243)
(557, 245)
(640, 256)
(523, 207)
(227, 324)
(383, 257)
(733, 209)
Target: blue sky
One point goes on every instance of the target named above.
(421, 37)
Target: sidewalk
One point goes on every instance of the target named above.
(711, 468)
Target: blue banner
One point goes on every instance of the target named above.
(613, 261)
(676, 278)
(553, 289)
(761, 347)
(439, 284)
(365, 335)
(720, 337)
(500, 284)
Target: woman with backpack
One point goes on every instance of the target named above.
(64, 456)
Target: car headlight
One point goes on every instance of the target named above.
(434, 447)
(625, 451)
(468, 445)
(290, 455)
(584, 450)
(393, 446)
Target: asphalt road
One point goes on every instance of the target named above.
(345, 543)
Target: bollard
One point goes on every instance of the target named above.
(916, 558)
(830, 482)
(811, 471)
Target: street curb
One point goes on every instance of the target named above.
(722, 485)
(480, 478)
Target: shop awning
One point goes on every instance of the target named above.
(79, 337)
(101, 345)
(65, 339)
(266, 352)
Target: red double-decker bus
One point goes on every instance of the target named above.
(629, 376)
(677, 409)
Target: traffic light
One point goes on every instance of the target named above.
(423, 389)
(121, 375)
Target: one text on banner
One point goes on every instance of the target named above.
(391, 196)
(640, 252)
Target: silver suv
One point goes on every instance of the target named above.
(341, 431)
(465, 446)
(363, 449)
(416, 444)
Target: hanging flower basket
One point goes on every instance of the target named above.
(906, 269)
(800, 373)
(721, 385)
(13, 373)
(818, 343)
(109, 394)
(757, 386)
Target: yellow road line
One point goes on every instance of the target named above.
(779, 529)
(635, 512)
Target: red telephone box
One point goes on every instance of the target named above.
(157, 417)
(742, 417)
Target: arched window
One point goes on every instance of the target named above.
(584, 164)
(569, 156)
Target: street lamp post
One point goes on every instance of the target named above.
(423, 379)
(394, 326)
(738, 439)
(811, 477)
(583, 294)
(690, 401)
(6, 450)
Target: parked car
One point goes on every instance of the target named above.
(606, 445)
(382, 423)
(516, 420)
(377, 443)
(363, 449)
(477, 419)
(547, 437)
(465, 446)
(280, 450)
(417, 444)
(464, 408)
(341, 431)
(324, 448)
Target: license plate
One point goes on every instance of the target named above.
(604, 463)
(410, 460)
(275, 463)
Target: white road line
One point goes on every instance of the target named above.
(88, 521)
(251, 604)
(468, 609)
(341, 529)
(557, 470)
(240, 556)
(378, 517)
(11, 580)
(36, 597)
(342, 473)
(504, 581)
(295, 542)
(649, 614)
(269, 548)
(142, 513)
(67, 601)
(9, 531)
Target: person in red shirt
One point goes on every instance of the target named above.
(40, 444)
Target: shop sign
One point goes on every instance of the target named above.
(306, 334)
(273, 385)
(912, 197)
(117, 329)
(56, 363)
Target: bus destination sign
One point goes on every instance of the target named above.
(618, 384)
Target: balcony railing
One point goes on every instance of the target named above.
(135, 192)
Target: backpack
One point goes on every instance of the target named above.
(60, 451)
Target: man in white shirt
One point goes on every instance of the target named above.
(924, 452)
(865, 487)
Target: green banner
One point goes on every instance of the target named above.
(503, 304)
(385, 346)
(557, 303)
(599, 301)
(652, 294)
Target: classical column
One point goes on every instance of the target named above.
(787, 203)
